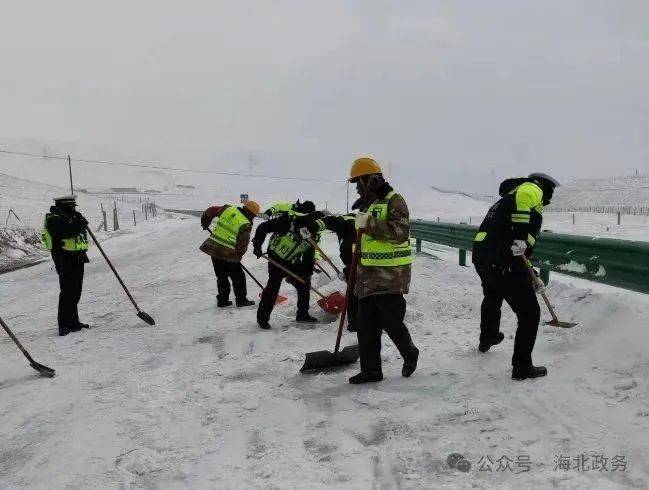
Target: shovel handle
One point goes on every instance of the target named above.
(252, 277)
(16, 341)
(320, 268)
(315, 245)
(350, 287)
(535, 280)
(110, 264)
(294, 276)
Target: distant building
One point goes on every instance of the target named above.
(124, 190)
(180, 186)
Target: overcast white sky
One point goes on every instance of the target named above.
(453, 93)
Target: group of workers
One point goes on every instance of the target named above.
(381, 279)
(506, 237)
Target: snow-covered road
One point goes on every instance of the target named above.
(205, 399)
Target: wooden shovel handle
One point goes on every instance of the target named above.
(315, 245)
(535, 280)
(294, 276)
(350, 286)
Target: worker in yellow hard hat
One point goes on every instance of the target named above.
(383, 271)
(230, 228)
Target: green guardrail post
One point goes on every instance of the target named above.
(462, 257)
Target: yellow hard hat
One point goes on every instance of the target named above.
(363, 166)
(253, 207)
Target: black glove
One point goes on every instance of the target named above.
(257, 252)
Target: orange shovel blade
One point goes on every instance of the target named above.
(334, 303)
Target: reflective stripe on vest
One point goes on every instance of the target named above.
(76, 244)
(226, 230)
(46, 238)
(382, 253)
(288, 247)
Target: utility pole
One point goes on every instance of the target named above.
(70, 169)
(348, 197)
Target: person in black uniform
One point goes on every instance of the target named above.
(345, 229)
(505, 239)
(288, 248)
(65, 236)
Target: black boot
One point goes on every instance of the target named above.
(84, 325)
(487, 344)
(305, 318)
(244, 302)
(263, 324)
(351, 326)
(524, 372)
(64, 331)
(366, 377)
(223, 304)
(410, 365)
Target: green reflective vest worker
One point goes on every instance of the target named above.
(289, 246)
(76, 243)
(382, 253)
(518, 215)
(226, 229)
(65, 235)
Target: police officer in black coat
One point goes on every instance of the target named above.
(65, 236)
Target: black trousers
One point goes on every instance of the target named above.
(269, 295)
(226, 272)
(70, 271)
(513, 285)
(352, 301)
(377, 313)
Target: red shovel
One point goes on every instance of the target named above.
(334, 303)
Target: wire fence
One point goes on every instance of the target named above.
(109, 214)
(628, 210)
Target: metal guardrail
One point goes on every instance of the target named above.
(621, 263)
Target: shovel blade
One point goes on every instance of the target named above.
(146, 317)
(43, 370)
(561, 324)
(325, 360)
(334, 303)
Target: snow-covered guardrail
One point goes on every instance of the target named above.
(621, 263)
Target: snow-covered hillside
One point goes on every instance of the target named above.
(612, 191)
(23, 205)
(205, 399)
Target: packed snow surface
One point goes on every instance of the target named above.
(205, 399)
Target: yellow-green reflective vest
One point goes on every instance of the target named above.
(284, 208)
(75, 244)
(289, 247)
(382, 253)
(226, 229)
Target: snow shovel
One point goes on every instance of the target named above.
(43, 370)
(141, 314)
(334, 303)
(323, 360)
(280, 299)
(555, 322)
